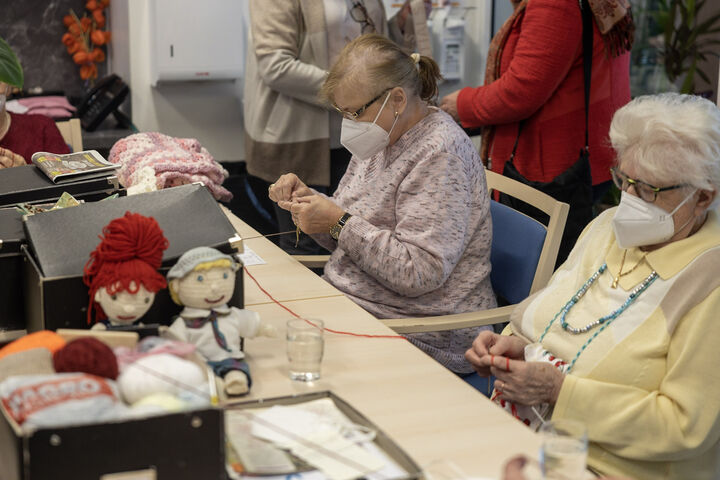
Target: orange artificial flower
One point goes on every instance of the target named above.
(86, 23)
(97, 37)
(85, 37)
(81, 57)
(97, 55)
(87, 71)
(73, 47)
(99, 18)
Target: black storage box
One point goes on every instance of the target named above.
(179, 446)
(28, 184)
(12, 237)
(60, 242)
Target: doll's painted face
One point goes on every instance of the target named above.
(205, 288)
(124, 308)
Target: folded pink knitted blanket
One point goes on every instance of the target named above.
(176, 161)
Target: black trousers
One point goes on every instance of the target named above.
(339, 161)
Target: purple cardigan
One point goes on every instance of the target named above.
(418, 243)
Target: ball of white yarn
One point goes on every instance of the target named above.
(161, 373)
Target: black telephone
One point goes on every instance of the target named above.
(102, 100)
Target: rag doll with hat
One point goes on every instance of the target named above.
(122, 272)
(203, 281)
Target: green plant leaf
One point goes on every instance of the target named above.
(703, 75)
(689, 84)
(707, 24)
(690, 13)
(10, 70)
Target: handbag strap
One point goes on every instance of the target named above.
(587, 39)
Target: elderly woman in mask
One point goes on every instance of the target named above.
(409, 226)
(623, 337)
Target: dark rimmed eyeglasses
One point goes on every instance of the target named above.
(359, 13)
(361, 110)
(644, 190)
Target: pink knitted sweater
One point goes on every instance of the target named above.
(176, 161)
(418, 243)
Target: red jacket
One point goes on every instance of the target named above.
(541, 80)
(33, 133)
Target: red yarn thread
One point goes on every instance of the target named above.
(87, 355)
(339, 332)
(130, 251)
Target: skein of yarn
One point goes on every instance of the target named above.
(87, 355)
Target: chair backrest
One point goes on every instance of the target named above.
(523, 250)
(71, 131)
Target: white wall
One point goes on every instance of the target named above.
(477, 15)
(210, 111)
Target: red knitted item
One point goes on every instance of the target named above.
(131, 251)
(86, 355)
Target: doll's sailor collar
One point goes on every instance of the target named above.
(190, 312)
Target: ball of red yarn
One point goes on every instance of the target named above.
(87, 355)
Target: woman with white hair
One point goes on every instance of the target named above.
(623, 338)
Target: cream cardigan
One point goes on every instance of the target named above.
(287, 128)
(648, 387)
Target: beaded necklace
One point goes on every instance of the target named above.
(604, 321)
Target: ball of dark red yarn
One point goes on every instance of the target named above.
(87, 355)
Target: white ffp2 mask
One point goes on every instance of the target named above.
(638, 223)
(365, 139)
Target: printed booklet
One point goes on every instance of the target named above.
(72, 167)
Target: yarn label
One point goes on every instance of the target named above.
(32, 398)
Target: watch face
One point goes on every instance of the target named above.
(335, 231)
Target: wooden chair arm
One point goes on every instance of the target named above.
(450, 322)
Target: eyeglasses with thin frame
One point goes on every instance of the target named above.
(359, 13)
(354, 115)
(644, 190)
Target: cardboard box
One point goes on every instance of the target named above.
(12, 237)
(28, 184)
(187, 445)
(60, 242)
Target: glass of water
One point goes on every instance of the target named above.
(563, 454)
(305, 348)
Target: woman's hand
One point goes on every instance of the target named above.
(286, 189)
(449, 104)
(314, 213)
(527, 383)
(488, 344)
(9, 159)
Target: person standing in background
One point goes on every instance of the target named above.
(287, 127)
(534, 75)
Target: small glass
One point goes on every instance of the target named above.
(305, 348)
(563, 455)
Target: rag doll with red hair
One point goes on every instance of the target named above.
(122, 273)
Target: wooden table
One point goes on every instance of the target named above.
(431, 413)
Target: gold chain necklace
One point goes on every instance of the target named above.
(622, 264)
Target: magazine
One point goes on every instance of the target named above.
(73, 167)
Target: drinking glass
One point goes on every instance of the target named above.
(563, 454)
(305, 348)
